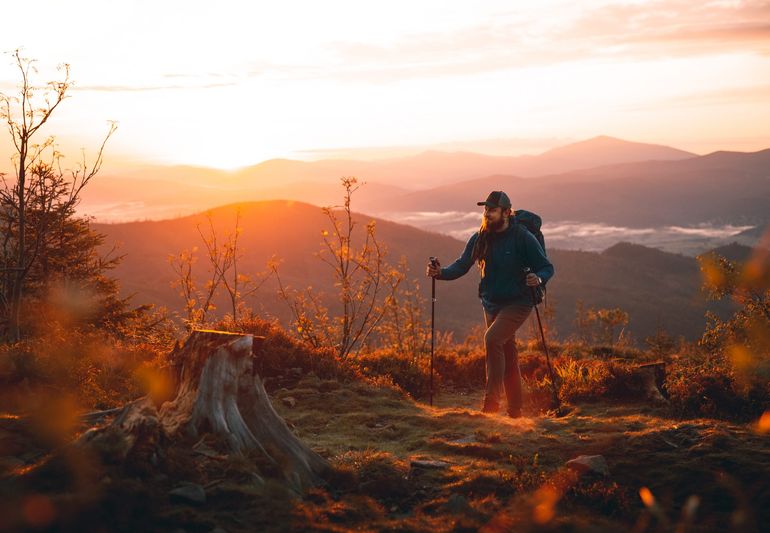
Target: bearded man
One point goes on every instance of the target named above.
(502, 248)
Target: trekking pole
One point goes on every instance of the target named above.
(432, 324)
(545, 349)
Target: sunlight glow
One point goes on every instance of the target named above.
(283, 79)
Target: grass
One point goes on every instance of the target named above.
(699, 461)
(501, 473)
(498, 466)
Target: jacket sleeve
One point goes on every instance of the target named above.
(462, 264)
(536, 258)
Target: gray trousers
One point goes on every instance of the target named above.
(502, 356)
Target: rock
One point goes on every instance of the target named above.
(289, 401)
(190, 493)
(429, 463)
(589, 463)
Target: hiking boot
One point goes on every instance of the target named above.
(514, 413)
(490, 406)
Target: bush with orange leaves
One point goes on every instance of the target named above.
(281, 351)
(51, 379)
(729, 376)
(78, 349)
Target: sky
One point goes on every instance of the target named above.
(228, 84)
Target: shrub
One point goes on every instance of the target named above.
(699, 383)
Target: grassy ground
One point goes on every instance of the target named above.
(506, 471)
(496, 473)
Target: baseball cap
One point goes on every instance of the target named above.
(497, 199)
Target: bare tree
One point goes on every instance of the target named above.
(361, 276)
(237, 284)
(223, 258)
(41, 197)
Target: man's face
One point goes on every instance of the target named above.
(494, 217)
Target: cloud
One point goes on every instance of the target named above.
(728, 95)
(633, 31)
(543, 35)
(463, 234)
(707, 230)
(434, 217)
(569, 229)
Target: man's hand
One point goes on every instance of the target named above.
(433, 270)
(533, 280)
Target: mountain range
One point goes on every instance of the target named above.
(590, 194)
(725, 187)
(657, 288)
(162, 191)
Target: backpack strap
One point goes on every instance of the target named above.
(520, 247)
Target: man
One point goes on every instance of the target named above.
(501, 248)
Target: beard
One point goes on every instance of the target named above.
(494, 226)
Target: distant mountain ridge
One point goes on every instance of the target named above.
(653, 286)
(169, 190)
(607, 150)
(729, 187)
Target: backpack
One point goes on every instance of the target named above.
(532, 223)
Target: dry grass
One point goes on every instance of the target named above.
(500, 474)
(498, 467)
(668, 465)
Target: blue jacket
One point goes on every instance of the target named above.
(503, 282)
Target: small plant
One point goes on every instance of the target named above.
(363, 280)
(599, 325)
(223, 260)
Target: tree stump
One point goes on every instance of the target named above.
(653, 375)
(216, 391)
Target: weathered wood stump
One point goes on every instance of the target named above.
(652, 376)
(215, 391)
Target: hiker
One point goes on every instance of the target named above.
(502, 249)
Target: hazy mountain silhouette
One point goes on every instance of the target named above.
(161, 199)
(170, 190)
(598, 151)
(725, 187)
(734, 252)
(653, 286)
(433, 168)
